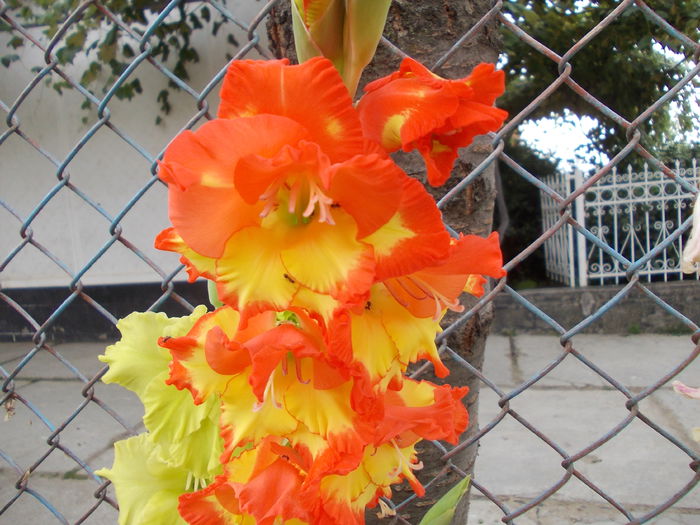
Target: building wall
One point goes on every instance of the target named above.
(107, 170)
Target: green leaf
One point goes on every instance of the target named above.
(442, 512)
(8, 59)
(16, 42)
(77, 38)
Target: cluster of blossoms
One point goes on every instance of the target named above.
(289, 403)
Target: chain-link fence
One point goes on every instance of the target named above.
(50, 171)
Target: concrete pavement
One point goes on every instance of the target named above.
(573, 406)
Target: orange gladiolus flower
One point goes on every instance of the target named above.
(429, 291)
(272, 201)
(264, 374)
(416, 109)
(398, 324)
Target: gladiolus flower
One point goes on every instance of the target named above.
(272, 200)
(430, 290)
(416, 109)
(263, 376)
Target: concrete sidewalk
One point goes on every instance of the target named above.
(573, 406)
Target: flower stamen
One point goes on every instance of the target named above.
(300, 378)
(269, 393)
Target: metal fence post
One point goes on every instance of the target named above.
(580, 215)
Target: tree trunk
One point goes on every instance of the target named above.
(425, 31)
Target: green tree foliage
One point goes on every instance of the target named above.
(108, 48)
(628, 66)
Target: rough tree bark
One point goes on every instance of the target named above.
(425, 31)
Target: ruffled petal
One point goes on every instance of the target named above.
(204, 206)
(312, 94)
(424, 409)
(390, 463)
(487, 83)
(215, 505)
(197, 265)
(147, 489)
(404, 110)
(369, 188)
(136, 357)
(414, 337)
(327, 259)
(413, 238)
(344, 498)
(190, 369)
(183, 430)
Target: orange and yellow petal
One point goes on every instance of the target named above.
(369, 188)
(327, 258)
(196, 265)
(404, 110)
(429, 291)
(312, 94)
(413, 238)
(204, 205)
(137, 357)
(189, 368)
(250, 275)
(214, 505)
(414, 337)
(424, 410)
(344, 498)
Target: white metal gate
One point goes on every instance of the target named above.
(630, 212)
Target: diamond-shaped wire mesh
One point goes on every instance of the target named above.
(71, 178)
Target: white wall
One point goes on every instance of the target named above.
(108, 170)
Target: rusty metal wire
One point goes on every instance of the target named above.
(21, 224)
